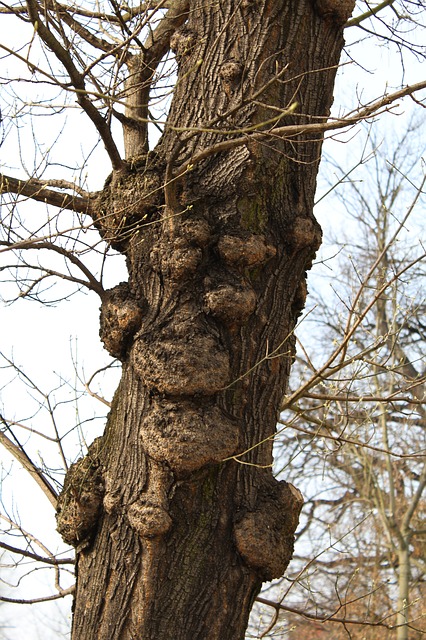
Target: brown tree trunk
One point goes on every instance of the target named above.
(174, 535)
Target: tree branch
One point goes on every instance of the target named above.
(78, 82)
(35, 556)
(88, 36)
(37, 190)
(141, 71)
(354, 22)
(322, 618)
(92, 283)
(288, 131)
(343, 397)
(319, 433)
(131, 12)
(27, 463)
(414, 500)
(62, 594)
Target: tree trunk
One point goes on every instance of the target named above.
(174, 534)
(403, 588)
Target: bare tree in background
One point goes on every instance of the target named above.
(359, 421)
(174, 512)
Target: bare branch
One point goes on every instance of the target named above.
(62, 594)
(354, 22)
(320, 433)
(141, 71)
(322, 618)
(36, 556)
(128, 14)
(78, 82)
(37, 190)
(27, 463)
(92, 283)
(289, 131)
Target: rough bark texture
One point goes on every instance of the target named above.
(174, 538)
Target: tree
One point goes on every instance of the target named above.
(360, 423)
(216, 225)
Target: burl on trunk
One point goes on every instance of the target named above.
(175, 530)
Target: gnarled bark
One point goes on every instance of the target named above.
(217, 263)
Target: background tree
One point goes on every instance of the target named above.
(215, 223)
(358, 420)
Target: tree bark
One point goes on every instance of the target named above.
(403, 588)
(174, 534)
